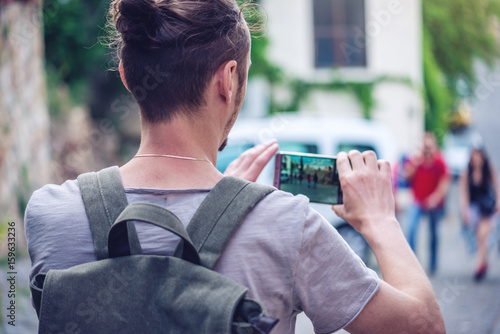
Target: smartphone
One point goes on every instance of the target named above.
(312, 175)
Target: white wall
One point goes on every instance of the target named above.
(394, 48)
(393, 28)
(290, 32)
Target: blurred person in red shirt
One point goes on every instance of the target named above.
(429, 180)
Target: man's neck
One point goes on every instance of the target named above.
(182, 138)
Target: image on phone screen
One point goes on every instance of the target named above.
(314, 176)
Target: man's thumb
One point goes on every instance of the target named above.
(339, 210)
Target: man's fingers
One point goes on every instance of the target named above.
(384, 167)
(248, 157)
(370, 159)
(356, 159)
(264, 146)
(268, 153)
(258, 164)
(343, 164)
(249, 165)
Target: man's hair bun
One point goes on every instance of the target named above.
(137, 21)
(170, 50)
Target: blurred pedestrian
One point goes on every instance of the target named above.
(478, 193)
(429, 181)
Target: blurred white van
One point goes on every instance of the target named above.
(308, 134)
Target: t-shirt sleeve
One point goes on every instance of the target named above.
(331, 284)
(57, 231)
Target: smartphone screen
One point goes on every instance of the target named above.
(312, 175)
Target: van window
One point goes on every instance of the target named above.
(346, 147)
(230, 153)
(298, 147)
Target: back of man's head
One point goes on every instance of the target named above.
(170, 50)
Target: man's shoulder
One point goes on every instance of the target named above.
(279, 199)
(54, 199)
(283, 209)
(53, 192)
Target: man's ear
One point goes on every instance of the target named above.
(228, 78)
(122, 75)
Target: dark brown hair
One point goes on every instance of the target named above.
(486, 177)
(170, 49)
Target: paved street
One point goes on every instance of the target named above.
(468, 307)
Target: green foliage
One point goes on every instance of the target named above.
(4, 226)
(74, 56)
(437, 96)
(256, 17)
(457, 33)
(6, 129)
(71, 35)
(53, 84)
(5, 32)
(462, 31)
(362, 91)
(261, 66)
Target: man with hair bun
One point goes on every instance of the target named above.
(186, 64)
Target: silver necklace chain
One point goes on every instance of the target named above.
(170, 156)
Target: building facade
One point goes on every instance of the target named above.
(375, 42)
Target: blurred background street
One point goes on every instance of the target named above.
(326, 76)
(467, 307)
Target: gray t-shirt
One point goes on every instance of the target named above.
(288, 256)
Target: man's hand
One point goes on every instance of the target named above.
(249, 165)
(367, 188)
(405, 302)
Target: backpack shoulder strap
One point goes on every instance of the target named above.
(104, 199)
(220, 214)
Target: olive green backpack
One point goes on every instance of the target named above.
(125, 291)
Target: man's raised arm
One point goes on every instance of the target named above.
(405, 302)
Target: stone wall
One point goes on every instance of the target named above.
(24, 119)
